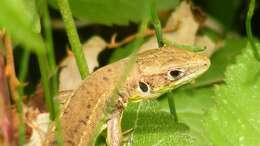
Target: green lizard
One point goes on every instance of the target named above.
(155, 72)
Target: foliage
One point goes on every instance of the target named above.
(119, 12)
(220, 108)
(149, 129)
(225, 55)
(235, 119)
(191, 105)
(21, 21)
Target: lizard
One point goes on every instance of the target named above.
(155, 72)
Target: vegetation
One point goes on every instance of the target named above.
(220, 108)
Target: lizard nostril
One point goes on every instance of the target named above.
(205, 62)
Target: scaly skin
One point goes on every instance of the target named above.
(85, 112)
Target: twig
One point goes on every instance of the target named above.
(147, 32)
(10, 69)
(5, 112)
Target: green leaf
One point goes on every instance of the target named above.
(19, 20)
(221, 59)
(152, 124)
(119, 12)
(153, 127)
(191, 105)
(34, 16)
(235, 119)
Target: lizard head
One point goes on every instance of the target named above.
(164, 69)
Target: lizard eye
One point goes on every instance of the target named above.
(144, 87)
(175, 74)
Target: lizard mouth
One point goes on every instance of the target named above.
(192, 75)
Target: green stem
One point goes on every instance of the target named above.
(157, 27)
(22, 76)
(188, 47)
(50, 49)
(24, 65)
(158, 30)
(44, 78)
(249, 16)
(112, 103)
(58, 132)
(73, 37)
(53, 70)
(172, 107)
(21, 130)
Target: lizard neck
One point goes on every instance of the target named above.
(88, 105)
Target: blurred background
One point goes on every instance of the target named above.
(103, 19)
(221, 22)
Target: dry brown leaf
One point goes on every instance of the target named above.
(183, 21)
(69, 80)
(39, 129)
(183, 18)
(206, 42)
(69, 76)
(37, 99)
(39, 122)
(214, 25)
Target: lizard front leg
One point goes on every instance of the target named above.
(114, 133)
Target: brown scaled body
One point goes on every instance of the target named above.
(85, 112)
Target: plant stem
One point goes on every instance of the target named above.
(58, 132)
(172, 107)
(158, 30)
(44, 78)
(50, 49)
(73, 37)
(53, 70)
(249, 16)
(131, 60)
(22, 76)
(157, 27)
